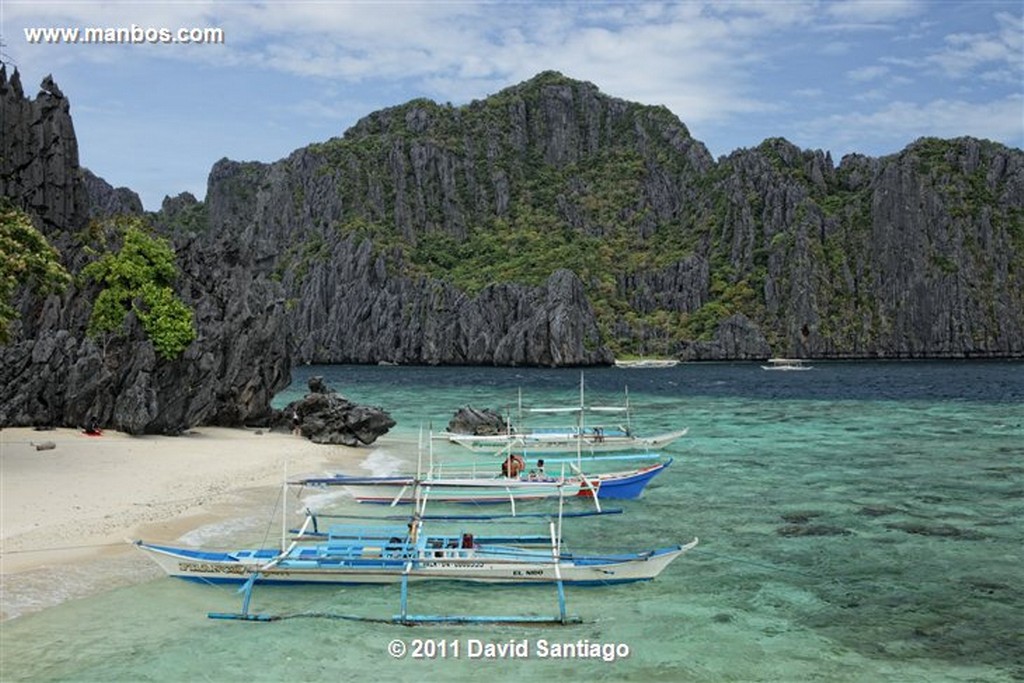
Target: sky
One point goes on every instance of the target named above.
(865, 76)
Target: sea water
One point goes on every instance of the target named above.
(857, 522)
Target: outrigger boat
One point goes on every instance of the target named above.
(577, 439)
(389, 555)
(403, 555)
(786, 364)
(647, 363)
(545, 441)
(477, 488)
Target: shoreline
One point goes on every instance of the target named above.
(68, 514)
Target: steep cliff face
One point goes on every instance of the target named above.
(39, 156)
(920, 254)
(948, 274)
(354, 311)
(352, 228)
(548, 224)
(430, 234)
(107, 200)
(369, 232)
(53, 373)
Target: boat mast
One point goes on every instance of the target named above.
(284, 510)
(519, 416)
(629, 427)
(579, 437)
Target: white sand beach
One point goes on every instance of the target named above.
(76, 504)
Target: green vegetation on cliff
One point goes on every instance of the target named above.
(139, 277)
(25, 258)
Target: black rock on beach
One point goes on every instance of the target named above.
(324, 416)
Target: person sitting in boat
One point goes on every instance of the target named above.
(538, 473)
(598, 434)
(513, 466)
(414, 528)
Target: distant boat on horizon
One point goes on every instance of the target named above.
(647, 363)
(786, 364)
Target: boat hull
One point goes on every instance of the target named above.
(647, 363)
(627, 485)
(630, 487)
(478, 566)
(786, 365)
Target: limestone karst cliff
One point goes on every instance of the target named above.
(418, 235)
(548, 224)
(52, 373)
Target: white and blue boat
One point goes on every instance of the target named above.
(395, 554)
(388, 554)
(542, 441)
(477, 487)
(579, 438)
(787, 364)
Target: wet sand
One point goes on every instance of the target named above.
(68, 507)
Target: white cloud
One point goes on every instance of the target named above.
(873, 95)
(867, 73)
(1004, 47)
(809, 92)
(692, 56)
(899, 123)
(872, 12)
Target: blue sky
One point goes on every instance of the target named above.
(866, 76)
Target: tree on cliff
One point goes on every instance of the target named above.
(25, 258)
(139, 277)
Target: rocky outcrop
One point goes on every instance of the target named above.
(323, 416)
(771, 251)
(39, 156)
(105, 200)
(735, 338)
(546, 225)
(341, 222)
(52, 373)
(915, 255)
(480, 422)
(353, 311)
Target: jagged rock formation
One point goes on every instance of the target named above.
(552, 225)
(352, 301)
(39, 156)
(106, 200)
(356, 313)
(323, 416)
(548, 224)
(52, 373)
(480, 422)
(735, 338)
(920, 254)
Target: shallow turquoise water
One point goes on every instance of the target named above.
(858, 522)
